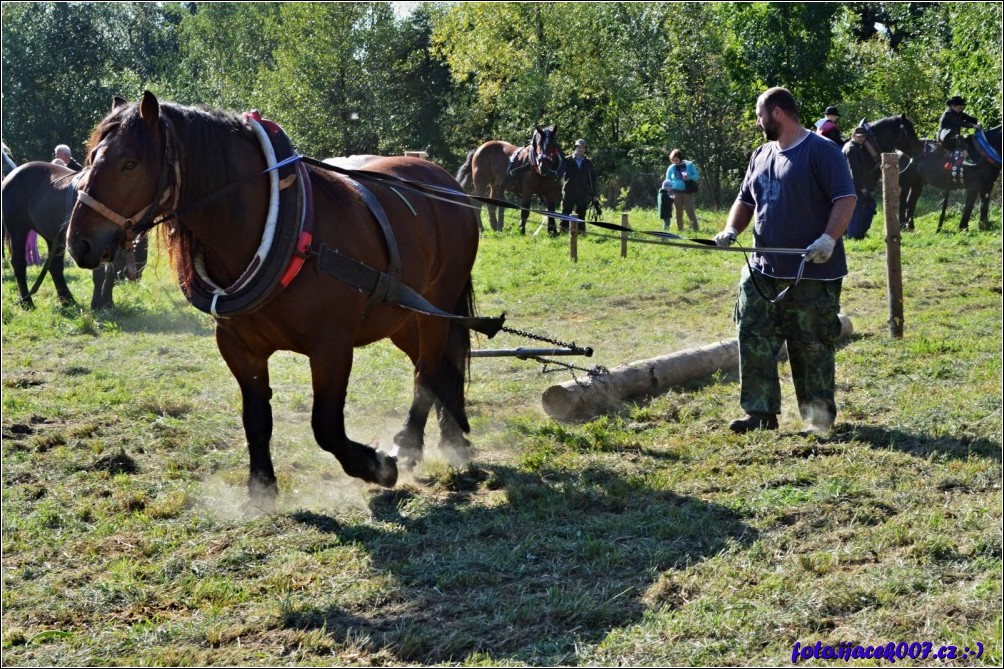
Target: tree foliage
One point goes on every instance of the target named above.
(634, 79)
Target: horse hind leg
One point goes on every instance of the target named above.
(57, 251)
(440, 378)
(20, 266)
(451, 381)
(409, 443)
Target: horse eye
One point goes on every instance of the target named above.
(129, 165)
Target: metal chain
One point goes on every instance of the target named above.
(596, 370)
(530, 335)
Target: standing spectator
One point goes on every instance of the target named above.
(865, 173)
(62, 152)
(579, 190)
(827, 126)
(682, 177)
(799, 190)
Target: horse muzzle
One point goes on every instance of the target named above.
(92, 249)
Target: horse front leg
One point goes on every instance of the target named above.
(251, 372)
(524, 212)
(104, 280)
(330, 371)
(972, 192)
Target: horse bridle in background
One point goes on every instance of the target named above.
(143, 220)
(875, 151)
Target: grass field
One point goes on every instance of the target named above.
(653, 537)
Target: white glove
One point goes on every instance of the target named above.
(726, 237)
(820, 250)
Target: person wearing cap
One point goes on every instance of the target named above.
(579, 190)
(952, 122)
(865, 174)
(797, 195)
(827, 126)
(62, 152)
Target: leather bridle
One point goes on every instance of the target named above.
(146, 218)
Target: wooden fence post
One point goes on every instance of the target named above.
(573, 240)
(894, 269)
(624, 235)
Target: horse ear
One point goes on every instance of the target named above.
(118, 102)
(149, 108)
(539, 129)
(554, 129)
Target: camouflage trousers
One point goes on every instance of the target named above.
(806, 318)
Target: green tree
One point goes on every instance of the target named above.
(974, 60)
(224, 46)
(63, 63)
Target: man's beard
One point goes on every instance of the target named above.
(771, 130)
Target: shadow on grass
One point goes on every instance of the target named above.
(918, 444)
(520, 566)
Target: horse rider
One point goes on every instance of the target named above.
(62, 152)
(950, 131)
(579, 190)
(827, 126)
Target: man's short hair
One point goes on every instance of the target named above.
(779, 98)
(62, 148)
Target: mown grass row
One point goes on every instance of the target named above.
(652, 537)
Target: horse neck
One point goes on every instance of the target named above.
(227, 231)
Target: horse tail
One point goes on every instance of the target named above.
(464, 173)
(455, 364)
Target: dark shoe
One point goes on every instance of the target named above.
(754, 421)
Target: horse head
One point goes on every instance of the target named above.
(546, 154)
(893, 133)
(128, 169)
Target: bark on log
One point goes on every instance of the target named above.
(582, 399)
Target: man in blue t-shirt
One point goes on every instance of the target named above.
(799, 190)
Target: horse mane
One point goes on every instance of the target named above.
(207, 155)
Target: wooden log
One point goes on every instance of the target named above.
(581, 399)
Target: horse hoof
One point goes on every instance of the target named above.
(386, 470)
(407, 458)
(261, 499)
(458, 452)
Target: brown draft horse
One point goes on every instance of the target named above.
(38, 196)
(316, 315)
(535, 171)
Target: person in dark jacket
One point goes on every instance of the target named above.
(865, 174)
(827, 126)
(579, 190)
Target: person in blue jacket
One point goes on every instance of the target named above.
(682, 177)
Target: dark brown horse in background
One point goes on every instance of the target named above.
(535, 170)
(933, 167)
(38, 196)
(212, 165)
